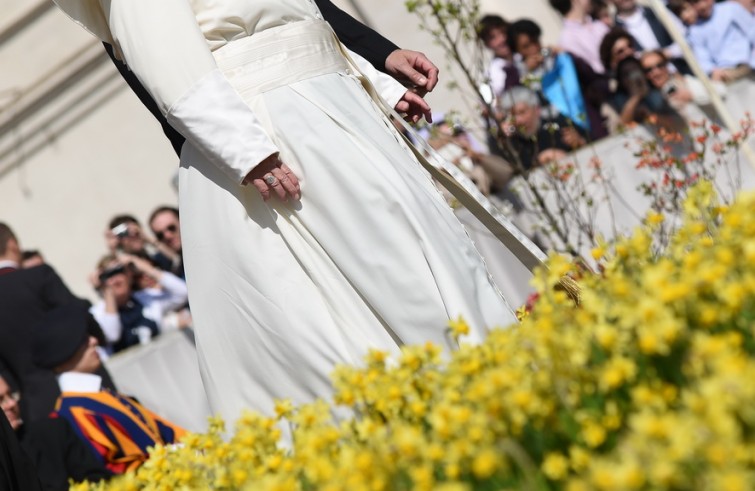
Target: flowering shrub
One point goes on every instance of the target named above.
(647, 385)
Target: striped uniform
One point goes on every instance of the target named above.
(118, 428)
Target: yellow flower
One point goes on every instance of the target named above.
(283, 408)
(555, 466)
(597, 253)
(485, 463)
(594, 435)
(654, 218)
(653, 371)
(458, 327)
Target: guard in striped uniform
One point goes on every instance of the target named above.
(117, 428)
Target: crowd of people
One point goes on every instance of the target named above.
(58, 399)
(614, 64)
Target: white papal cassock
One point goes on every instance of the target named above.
(371, 257)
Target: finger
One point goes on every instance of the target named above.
(284, 184)
(263, 188)
(277, 186)
(293, 178)
(402, 107)
(427, 67)
(409, 72)
(418, 105)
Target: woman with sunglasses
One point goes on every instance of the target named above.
(679, 90)
(636, 101)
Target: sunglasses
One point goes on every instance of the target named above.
(650, 68)
(170, 228)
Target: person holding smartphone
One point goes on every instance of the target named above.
(138, 300)
(125, 234)
(637, 101)
(165, 226)
(679, 90)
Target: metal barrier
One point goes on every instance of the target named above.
(628, 205)
(164, 376)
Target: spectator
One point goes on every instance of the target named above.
(167, 230)
(637, 102)
(492, 31)
(601, 10)
(723, 39)
(56, 452)
(125, 234)
(581, 35)
(679, 90)
(25, 296)
(617, 46)
(17, 473)
(562, 80)
(31, 258)
(128, 316)
(537, 140)
(684, 11)
(644, 26)
(116, 428)
(452, 142)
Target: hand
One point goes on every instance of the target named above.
(414, 107)
(680, 97)
(638, 86)
(571, 137)
(139, 263)
(550, 155)
(413, 66)
(720, 75)
(534, 61)
(508, 127)
(285, 184)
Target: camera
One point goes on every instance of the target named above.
(110, 272)
(120, 231)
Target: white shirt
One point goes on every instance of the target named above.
(497, 75)
(639, 27)
(583, 40)
(79, 382)
(7, 263)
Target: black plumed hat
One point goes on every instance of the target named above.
(60, 334)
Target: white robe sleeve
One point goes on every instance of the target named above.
(386, 86)
(162, 44)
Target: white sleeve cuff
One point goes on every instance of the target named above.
(386, 86)
(215, 119)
